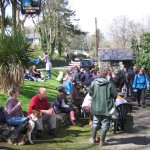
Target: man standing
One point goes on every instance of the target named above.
(40, 103)
(102, 92)
(132, 74)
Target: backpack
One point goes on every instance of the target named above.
(2, 115)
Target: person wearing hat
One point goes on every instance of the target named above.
(63, 105)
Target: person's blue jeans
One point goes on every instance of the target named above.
(48, 73)
(15, 120)
(104, 122)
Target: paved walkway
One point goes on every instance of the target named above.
(138, 131)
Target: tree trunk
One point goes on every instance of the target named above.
(14, 8)
(2, 16)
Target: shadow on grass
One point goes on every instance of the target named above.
(83, 121)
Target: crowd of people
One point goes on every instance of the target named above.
(104, 89)
(92, 91)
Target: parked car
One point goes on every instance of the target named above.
(86, 63)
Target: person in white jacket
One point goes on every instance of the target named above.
(86, 106)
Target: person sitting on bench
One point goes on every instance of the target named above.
(13, 111)
(63, 105)
(76, 96)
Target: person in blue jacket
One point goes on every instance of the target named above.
(140, 84)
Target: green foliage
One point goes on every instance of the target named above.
(57, 60)
(56, 26)
(15, 53)
(145, 42)
(144, 53)
(143, 60)
(141, 52)
(134, 44)
(14, 49)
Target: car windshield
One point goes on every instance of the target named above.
(86, 61)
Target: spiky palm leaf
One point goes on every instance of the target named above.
(14, 56)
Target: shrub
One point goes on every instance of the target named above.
(15, 53)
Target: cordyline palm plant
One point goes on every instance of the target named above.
(14, 57)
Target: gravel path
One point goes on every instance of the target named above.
(138, 131)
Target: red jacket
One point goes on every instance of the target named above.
(37, 104)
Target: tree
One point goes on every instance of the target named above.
(122, 30)
(119, 31)
(15, 53)
(3, 5)
(56, 27)
(14, 10)
(144, 53)
(135, 48)
(91, 42)
(7, 23)
(78, 42)
(15, 5)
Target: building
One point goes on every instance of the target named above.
(34, 38)
(113, 57)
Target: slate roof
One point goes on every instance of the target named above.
(115, 54)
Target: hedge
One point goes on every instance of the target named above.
(55, 63)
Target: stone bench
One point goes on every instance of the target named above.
(62, 119)
(5, 131)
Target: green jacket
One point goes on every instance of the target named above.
(103, 93)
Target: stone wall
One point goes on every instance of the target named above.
(105, 65)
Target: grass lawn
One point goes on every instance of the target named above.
(72, 137)
(30, 88)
